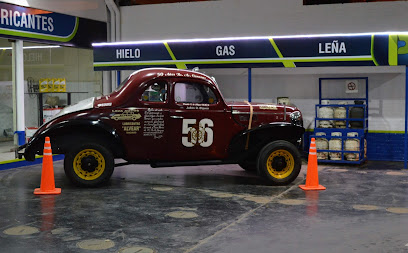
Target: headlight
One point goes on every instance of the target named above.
(295, 115)
(296, 118)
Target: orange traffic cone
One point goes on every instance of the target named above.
(312, 177)
(47, 174)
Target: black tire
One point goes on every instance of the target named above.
(247, 166)
(89, 164)
(279, 162)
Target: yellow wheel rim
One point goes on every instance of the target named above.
(89, 164)
(280, 164)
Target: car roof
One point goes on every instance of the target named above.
(151, 73)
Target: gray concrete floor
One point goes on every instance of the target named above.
(207, 209)
(6, 152)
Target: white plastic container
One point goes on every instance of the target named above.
(340, 113)
(325, 112)
(335, 144)
(352, 145)
(322, 143)
(283, 100)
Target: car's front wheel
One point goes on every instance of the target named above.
(279, 162)
(89, 164)
(248, 166)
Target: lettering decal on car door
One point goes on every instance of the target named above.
(200, 134)
(153, 123)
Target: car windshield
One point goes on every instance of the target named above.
(122, 83)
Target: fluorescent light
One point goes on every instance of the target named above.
(40, 47)
(244, 38)
(31, 47)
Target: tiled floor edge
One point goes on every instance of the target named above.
(5, 165)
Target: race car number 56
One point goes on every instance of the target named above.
(197, 134)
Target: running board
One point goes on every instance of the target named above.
(187, 163)
(122, 164)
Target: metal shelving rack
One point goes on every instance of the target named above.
(362, 132)
(41, 103)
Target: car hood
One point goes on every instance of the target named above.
(262, 113)
(259, 107)
(80, 106)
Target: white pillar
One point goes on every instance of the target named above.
(114, 80)
(18, 86)
(114, 34)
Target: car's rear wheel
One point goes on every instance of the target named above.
(279, 162)
(89, 164)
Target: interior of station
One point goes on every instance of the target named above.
(217, 207)
(47, 63)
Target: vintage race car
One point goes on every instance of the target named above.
(170, 117)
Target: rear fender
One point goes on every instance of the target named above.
(249, 142)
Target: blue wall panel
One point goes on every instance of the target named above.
(385, 146)
(380, 146)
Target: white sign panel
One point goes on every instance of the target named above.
(351, 86)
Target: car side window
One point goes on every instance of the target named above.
(155, 92)
(194, 93)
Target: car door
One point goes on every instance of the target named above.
(145, 135)
(199, 122)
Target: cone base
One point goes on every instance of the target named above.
(38, 191)
(312, 188)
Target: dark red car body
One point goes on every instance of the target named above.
(172, 131)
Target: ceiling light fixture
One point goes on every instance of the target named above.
(243, 38)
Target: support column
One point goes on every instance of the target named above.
(113, 80)
(406, 118)
(18, 87)
(118, 75)
(249, 84)
(106, 83)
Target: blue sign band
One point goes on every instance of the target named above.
(359, 50)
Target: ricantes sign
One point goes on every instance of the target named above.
(17, 22)
(38, 24)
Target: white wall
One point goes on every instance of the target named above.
(386, 90)
(91, 9)
(258, 17)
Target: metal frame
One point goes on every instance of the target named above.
(361, 132)
(366, 111)
(406, 117)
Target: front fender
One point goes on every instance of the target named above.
(249, 142)
(67, 133)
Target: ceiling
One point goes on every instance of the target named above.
(143, 2)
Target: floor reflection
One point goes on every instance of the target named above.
(312, 201)
(47, 212)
